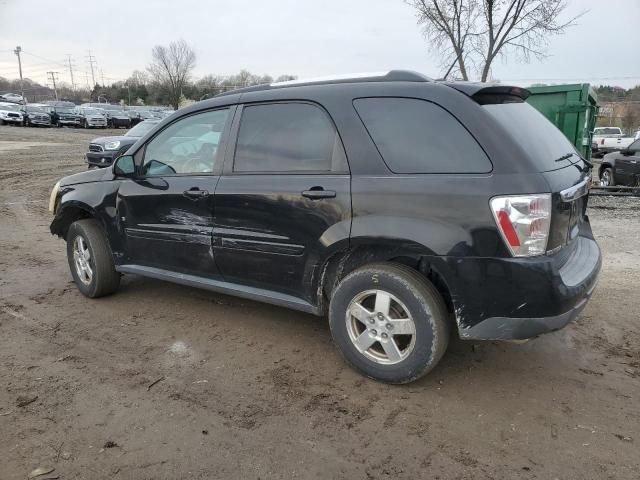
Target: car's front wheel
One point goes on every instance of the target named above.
(389, 322)
(606, 178)
(90, 259)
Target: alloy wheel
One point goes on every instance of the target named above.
(82, 260)
(381, 327)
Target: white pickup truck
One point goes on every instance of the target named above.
(609, 139)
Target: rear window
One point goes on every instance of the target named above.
(607, 131)
(416, 136)
(534, 133)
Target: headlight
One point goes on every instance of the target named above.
(52, 198)
(112, 145)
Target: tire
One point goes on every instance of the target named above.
(411, 296)
(104, 280)
(606, 178)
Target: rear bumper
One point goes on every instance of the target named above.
(101, 159)
(521, 298)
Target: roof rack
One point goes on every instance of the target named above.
(388, 76)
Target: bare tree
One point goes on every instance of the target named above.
(473, 33)
(171, 68)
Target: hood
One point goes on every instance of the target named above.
(96, 175)
(122, 139)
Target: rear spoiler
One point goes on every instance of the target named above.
(489, 94)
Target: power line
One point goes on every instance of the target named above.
(54, 77)
(73, 84)
(91, 60)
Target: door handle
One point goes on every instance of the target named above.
(195, 193)
(316, 193)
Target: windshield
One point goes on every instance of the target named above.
(140, 129)
(9, 108)
(534, 133)
(93, 111)
(64, 110)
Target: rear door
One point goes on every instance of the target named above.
(167, 212)
(283, 203)
(556, 158)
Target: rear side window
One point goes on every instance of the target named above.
(416, 136)
(284, 137)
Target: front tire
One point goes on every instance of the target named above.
(90, 259)
(389, 322)
(606, 178)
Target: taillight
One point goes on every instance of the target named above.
(602, 141)
(523, 221)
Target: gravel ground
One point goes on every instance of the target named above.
(161, 381)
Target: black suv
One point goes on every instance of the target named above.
(399, 206)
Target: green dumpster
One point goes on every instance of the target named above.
(571, 108)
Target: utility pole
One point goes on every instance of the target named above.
(17, 52)
(102, 75)
(73, 84)
(53, 76)
(92, 61)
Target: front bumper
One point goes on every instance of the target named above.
(45, 123)
(101, 159)
(96, 123)
(73, 123)
(17, 121)
(521, 298)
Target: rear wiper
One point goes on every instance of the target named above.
(564, 157)
(587, 164)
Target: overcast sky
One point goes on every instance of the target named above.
(300, 37)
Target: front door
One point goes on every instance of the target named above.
(283, 204)
(628, 166)
(167, 213)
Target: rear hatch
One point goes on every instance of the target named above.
(552, 154)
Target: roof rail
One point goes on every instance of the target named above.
(388, 76)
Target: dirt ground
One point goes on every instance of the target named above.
(163, 382)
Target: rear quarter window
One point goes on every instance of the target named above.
(417, 136)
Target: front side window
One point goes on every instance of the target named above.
(286, 138)
(188, 146)
(416, 136)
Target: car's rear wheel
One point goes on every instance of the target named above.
(389, 322)
(90, 259)
(606, 178)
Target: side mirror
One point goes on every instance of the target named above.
(124, 166)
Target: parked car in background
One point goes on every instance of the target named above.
(334, 198)
(91, 117)
(621, 168)
(104, 150)
(118, 119)
(12, 97)
(609, 139)
(10, 114)
(36, 115)
(65, 117)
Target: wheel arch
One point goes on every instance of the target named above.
(68, 213)
(416, 257)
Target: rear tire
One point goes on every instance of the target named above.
(90, 259)
(389, 298)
